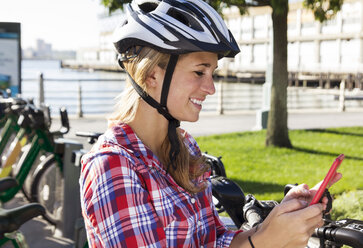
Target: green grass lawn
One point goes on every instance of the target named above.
(265, 171)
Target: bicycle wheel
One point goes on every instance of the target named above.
(26, 188)
(47, 189)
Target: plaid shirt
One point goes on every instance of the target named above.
(128, 199)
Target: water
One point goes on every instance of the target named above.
(99, 89)
(98, 95)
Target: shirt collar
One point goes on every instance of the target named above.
(127, 138)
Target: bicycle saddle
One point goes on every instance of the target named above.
(7, 183)
(12, 219)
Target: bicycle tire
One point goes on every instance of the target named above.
(26, 188)
(47, 189)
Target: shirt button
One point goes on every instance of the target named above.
(150, 165)
(199, 223)
(192, 200)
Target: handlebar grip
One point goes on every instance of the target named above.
(349, 237)
(253, 217)
(64, 120)
(351, 234)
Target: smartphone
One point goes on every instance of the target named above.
(331, 173)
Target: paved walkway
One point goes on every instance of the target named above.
(209, 124)
(40, 235)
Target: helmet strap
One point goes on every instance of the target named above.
(167, 79)
(173, 123)
(162, 109)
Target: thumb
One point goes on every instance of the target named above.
(292, 205)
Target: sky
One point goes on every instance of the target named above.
(66, 24)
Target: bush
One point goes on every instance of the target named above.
(348, 205)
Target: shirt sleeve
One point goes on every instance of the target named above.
(116, 206)
(224, 235)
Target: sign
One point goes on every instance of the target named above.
(10, 57)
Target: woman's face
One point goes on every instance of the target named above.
(191, 83)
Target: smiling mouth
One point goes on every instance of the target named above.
(195, 101)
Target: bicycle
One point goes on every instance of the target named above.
(12, 219)
(47, 178)
(10, 109)
(246, 212)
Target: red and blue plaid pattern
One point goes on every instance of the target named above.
(128, 199)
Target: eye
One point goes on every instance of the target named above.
(199, 73)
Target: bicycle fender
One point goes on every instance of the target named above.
(231, 196)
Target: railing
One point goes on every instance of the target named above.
(80, 96)
(98, 96)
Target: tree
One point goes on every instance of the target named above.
(277, 130)
(114, 5)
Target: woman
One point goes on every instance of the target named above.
(144, 183)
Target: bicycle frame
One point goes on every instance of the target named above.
(9, 120)
(13, 152)
(40, 142)
(11, 127)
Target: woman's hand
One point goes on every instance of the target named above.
(303, 193)
(289, 224)
(300, 192)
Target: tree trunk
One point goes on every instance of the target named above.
(277, 131)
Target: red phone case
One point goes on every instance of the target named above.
(331, 173)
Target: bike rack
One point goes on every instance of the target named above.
(71, 202)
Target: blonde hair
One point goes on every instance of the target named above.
(187, 167)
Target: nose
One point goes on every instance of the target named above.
(208, 86)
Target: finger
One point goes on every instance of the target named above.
(335, 179)
(311, 211)
(315, 222)
(291, 206)
(324, 201)
(301, 191)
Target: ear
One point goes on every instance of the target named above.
(156, 76)
(151, 80)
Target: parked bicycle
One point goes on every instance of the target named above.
(10, 109)
(12, 219)
(46, 178)
(246, 212)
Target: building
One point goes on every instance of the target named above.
(314, 48)
(43, 49)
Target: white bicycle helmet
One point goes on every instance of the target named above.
(175, 27)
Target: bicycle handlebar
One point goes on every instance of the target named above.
(92, 136)
(342, 232)
(253, 217)
(255, 211)
(29, 115)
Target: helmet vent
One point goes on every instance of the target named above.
(148, 7)
(184, 18)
